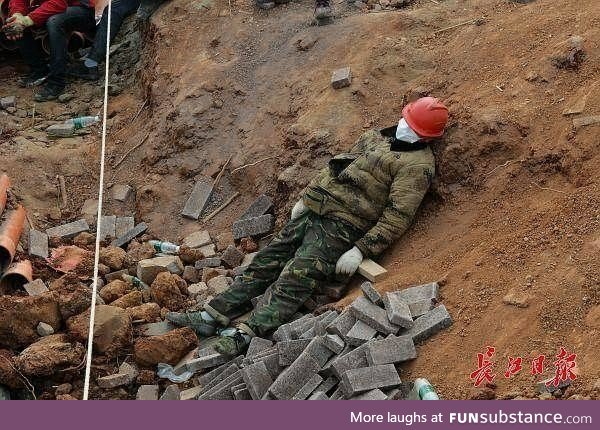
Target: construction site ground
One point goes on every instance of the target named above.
(514, 209)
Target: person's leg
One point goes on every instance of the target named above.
(120, 10)
(260, 274)
(35, 58)
(313, 264)
(60, 26)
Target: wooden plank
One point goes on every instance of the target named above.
(371, 270)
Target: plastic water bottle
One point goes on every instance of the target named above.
(423, 390)
(82, 121)
(164, 247)
(136, 282)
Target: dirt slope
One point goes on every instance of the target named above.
(515, 203)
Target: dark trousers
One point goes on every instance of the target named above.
(60, 26)
(120, 9)
(32, 53)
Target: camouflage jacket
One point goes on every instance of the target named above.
(376, 187)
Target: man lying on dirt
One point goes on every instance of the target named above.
(87, 68)
(354, 208)
(322, 8)
(61, 17)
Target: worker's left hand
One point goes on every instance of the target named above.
(349, 262)
(15, 25)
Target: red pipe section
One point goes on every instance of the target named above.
(4, 185)
(10, 233)
(17, 276)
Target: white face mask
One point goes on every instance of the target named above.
(405, 133)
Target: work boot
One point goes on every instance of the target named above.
(322, 9)
(81, 71)
(232, 342)
(49, 92)
(201, 322)
(265, 4)
(33, 79)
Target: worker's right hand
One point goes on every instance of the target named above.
(298, 210)
(16, 25)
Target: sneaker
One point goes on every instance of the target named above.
(232, 342)
(201, 322)
(322, 9)
(49, 92)
(265, 4)
(81, 71)
(33, 79)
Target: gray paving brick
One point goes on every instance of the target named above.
(197, 239)
(198, 198)
(308, 388)
(371, 293)
(123, 224)
(190, 393)
(290, 350)
(317, 350)
(375, 394)
(429, 324)
(253, 226)
(341, 78)
(68, 231)
(421, 307)
(355, 381)
(35, 287)
(273, 366)
(260, 206)
(257, 379)
(337, 394)
(127, 237)
(328, 384)
(392, 349)
(318, 395)
(397, 310)
(282, 333)
(208, 262)
(352, 360)
(172, 392)
(258, 344)
(242, 394)
(372, 315)
(107, 226)
(294, 377)
(206, 361)
(341, 325)
(334, 343)
(360, 333)
(212, 378)
(420, 292)
(222, 390)
(38, 244)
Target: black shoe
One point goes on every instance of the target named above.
(81, 71)
(33, 79)
(49, 92)
(322, 9)
(265, 4)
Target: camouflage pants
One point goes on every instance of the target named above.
(300, 258)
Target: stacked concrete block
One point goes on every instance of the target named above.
(360, 333)
(371, 314)
(397, 310)
(432, 322)
(257, 379)
(393, 349)
(371, 293)
(356, 381)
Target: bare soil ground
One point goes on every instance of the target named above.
(515, 202)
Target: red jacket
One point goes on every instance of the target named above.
(40, 10)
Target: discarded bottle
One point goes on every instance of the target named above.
(82, 121)
(136, 282)
(164, 247)
(423, 390)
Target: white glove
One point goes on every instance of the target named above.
(298, 210)
(349, 262)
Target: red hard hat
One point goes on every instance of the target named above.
(427, 116)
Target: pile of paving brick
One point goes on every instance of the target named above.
(350, 355)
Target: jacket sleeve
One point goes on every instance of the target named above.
(18, 6)
(406, 193)
(40, 15)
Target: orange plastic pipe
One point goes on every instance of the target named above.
(4, 185)
(17, 275)
(10, 233)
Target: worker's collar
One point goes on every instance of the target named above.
(399, 145)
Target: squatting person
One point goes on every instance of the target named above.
(354, 208)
